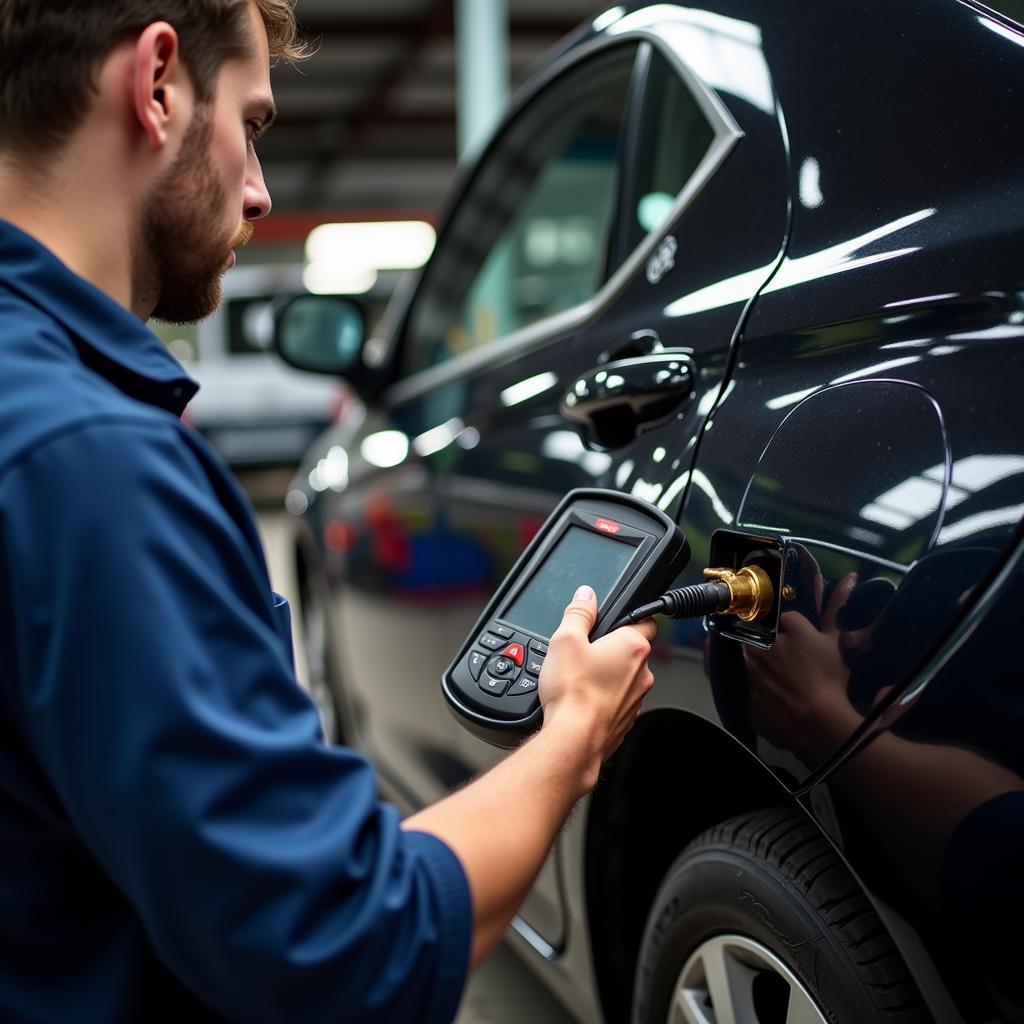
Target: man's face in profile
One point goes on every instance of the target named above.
(202, 208)
(181, 230)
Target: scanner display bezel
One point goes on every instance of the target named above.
(660, 554)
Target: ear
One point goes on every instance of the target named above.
(157, 85)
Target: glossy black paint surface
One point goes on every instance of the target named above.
(848, 298)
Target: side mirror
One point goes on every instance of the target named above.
(321, 333)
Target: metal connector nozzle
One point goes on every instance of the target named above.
(750, 591)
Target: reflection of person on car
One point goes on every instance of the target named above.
(417, 557)
(961, 853)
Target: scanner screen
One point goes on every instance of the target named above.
(581, 556)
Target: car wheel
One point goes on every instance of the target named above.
(759, 922)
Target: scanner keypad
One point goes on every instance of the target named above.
(477, 660)
(503, 661)
(527, 684)
(493, 685)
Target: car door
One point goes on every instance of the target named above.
(622, 189)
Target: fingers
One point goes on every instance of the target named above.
(840, 595)
(580, 614)
(796, 624)
(648, 627)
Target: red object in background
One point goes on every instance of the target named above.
(339, 537)
(390, 542)
(528, 529)
(284, 228)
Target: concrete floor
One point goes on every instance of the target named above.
(502, 991)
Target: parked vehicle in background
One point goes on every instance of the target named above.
(254, 409)
(817, 210)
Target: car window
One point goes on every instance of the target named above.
(674, 137)
(530, 238)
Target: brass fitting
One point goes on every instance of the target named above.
(750, 591)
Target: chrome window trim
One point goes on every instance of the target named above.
(992, 8)
(726, 135)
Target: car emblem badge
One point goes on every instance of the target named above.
(663, 260)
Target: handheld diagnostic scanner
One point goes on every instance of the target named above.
(627, 550)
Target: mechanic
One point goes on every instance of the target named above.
(178, 842)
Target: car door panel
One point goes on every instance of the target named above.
(526, 454)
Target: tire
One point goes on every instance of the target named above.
(764, 901)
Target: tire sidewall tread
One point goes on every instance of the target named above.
(773, 878)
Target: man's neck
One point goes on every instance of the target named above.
(77, 218)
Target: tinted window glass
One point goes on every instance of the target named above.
(530, 238)
(674, 137)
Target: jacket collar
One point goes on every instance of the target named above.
(110, 339)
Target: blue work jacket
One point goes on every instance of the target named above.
(176, 841)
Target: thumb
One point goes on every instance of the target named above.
(840, 595)
(580, 613)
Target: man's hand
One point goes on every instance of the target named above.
(591, 693)
(594, 690)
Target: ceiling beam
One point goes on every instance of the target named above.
(340, 29)
(386, 121)
(436, 20)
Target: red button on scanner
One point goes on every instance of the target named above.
(608, 526)
(515, 652)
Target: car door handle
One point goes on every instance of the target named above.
(616, 402)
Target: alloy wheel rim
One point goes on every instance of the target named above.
(730, 979)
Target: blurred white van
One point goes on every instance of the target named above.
(252, 407)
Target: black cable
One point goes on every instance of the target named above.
(685, 603)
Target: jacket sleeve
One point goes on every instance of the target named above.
(159, 698)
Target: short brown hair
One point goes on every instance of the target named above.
(50, 51)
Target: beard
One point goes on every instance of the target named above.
(181, 261)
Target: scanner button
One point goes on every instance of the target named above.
(494, 686)
(477, 660)
(524, 685)
(534, 664)
(516, 653)
(502, 666)
(491, 642)
(503, 631)
(538, 648)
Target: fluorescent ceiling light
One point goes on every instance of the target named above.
(336, 277)
(384, 245)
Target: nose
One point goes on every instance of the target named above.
(256, 199)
